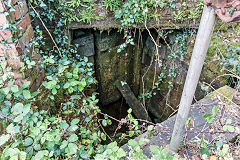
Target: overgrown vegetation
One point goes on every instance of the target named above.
(74, 128)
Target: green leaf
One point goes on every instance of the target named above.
(18, 108)
(154, 149)
(26, 94)
(206, 115)
(40, 155)
(14, 88)
(64, 144)
(224, 150)
(26, 109)
(231, 129)
(70, 90)
(129, 110)
(26, 84)
(103, 136)
(132, 143)
(205, 151)
(121, 153)
(73, 138)
(229, 121)
(54, 91)
(150, 128)
(4, 138)
(104, 123)
(72, 148)
(141, 141)
(75, 121)
(214, 111)
(219, 143)
(66, 85)
(131, 133)
(28, 141)
(18, 118)
(6, 90)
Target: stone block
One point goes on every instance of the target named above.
(15, 15)
(8, 50)
(3, 19)
(6, 36)
(24, 24)
(1, 7)
(14, 62)
(105, 40)
(85, 45)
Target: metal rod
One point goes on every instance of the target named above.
(197, 60)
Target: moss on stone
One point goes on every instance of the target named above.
(224, 91)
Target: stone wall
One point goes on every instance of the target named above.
(16, 33)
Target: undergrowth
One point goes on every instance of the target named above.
(61, 120)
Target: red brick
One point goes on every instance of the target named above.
(8, 50)
(17, 75)
(6, 35)
(23, 8)
(3, 19)
(24, 23)
(14, 62)
(15, 15)
(1, 7)
(21, 43)
(12, 2)
(28, 35)
(20, 82)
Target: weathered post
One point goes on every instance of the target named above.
(199, 53)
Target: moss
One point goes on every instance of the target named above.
(225, 91)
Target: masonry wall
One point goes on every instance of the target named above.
(16, 34)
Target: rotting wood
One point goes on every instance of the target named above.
(138, 109)
(199, 53)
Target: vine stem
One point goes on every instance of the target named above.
(46, 28)
(6, 117)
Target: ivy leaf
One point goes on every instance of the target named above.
(18, 108)
(150, 127)
(229, 121)
(64, 144)
(214, 111)
(121, 153)
(40, 155)
(103, 136)
(131, 133)
(14, 88)
(28, 141)
(54, 91)
(104, 123)
(26, 84)
(26, 109)
(72, 128)
(205, 151)
(66, 85)
(72, 148)
(132, 143)
(18, 118)
(73, 138)
(155, 149)
(26, 94)
(75, 121)
(70, 90)
(4, 138)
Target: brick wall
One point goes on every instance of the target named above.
(13, 43)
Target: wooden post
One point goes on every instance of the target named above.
(199, 53)
(138, 109)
